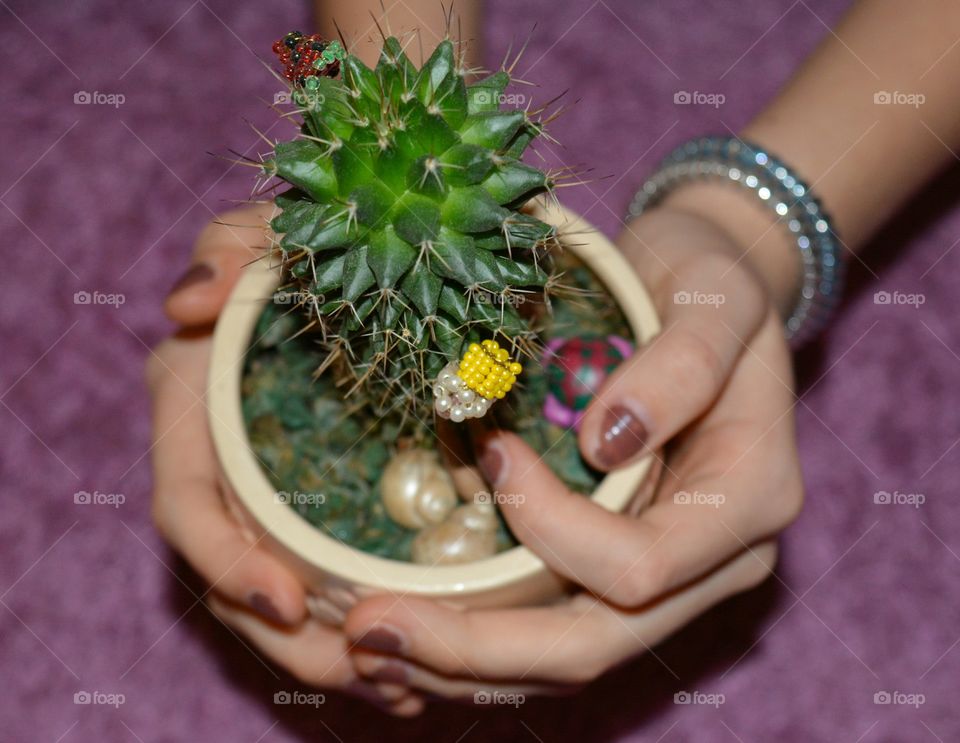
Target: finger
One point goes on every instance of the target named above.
(223, 249)
(410, 706)
(654, 623)
(670, 382)
(668, 544)
(314, 654)
(569, 644)
(187, 505)
(514, 646)
(377, 667)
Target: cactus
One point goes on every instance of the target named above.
(403, 234)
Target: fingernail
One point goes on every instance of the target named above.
(383, 639)
(623, 435)
(491, 462)
(262, 604)
(196, 274)
(392, 672)
(365, 690)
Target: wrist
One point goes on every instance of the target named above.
(764, 244)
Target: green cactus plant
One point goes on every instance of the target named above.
(403, 234)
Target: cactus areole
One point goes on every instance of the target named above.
(403, 232)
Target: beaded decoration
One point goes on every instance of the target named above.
(487, 370)
(576, 368)
(308, 57)
(467, 389)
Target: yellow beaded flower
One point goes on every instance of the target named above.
(487, 370)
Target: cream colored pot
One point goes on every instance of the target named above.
(336, 574)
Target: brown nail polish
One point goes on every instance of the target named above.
(381, 639)
(196, 274)
(366, 691)
(491, 463)
(262, 604)
(622, 436)
(392, 672)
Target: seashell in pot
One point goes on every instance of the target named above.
(416, 490)
(469, 534)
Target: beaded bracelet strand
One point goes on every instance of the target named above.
(778, 187)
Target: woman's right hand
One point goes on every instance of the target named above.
(252, 592)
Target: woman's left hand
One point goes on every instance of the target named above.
(714, 391)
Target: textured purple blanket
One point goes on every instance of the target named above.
(109, 109)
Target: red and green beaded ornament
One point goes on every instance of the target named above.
(576, 367)
(307, 57)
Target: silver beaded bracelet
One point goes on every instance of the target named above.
(751, 167)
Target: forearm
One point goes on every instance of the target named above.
(867, 158)
(863, 159)
(355, 18)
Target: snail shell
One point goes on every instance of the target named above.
(468, 534)
(476, 517)
(416, 490)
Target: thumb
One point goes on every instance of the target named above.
(224, 248)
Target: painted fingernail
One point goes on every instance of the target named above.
(392, 672)
(262, 604)
(382, 639)
(491, 463)
(623, 435)
(366, 690)
(198, 273)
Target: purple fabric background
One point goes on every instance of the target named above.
(109, 199)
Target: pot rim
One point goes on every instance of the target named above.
(231, 342)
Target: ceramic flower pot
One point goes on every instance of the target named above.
(336, 574)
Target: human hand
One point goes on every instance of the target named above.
(715, 391)
(251, 591)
